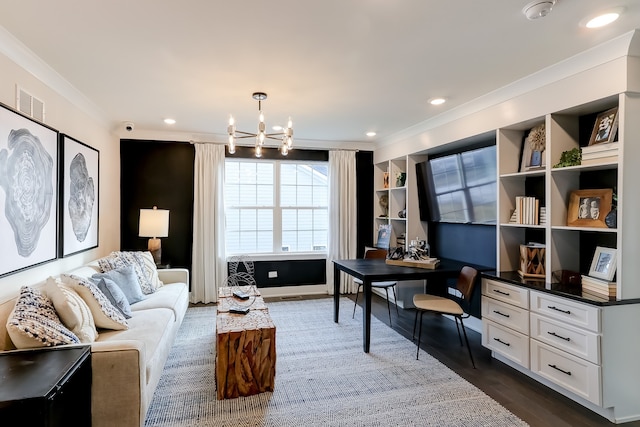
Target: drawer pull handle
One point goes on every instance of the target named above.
(559, 336)
(561, 370)
(501, 314)
(502, 342)
(498, 291)
(557, 309)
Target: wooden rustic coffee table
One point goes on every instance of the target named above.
(245, 350)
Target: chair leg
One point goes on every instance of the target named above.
(458, 329)
(415, 323)
(419, 334)
(395, 299)
(467, 341)
(386, 291)
(355, 303)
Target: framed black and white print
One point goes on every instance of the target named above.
(28, 192)
(79, 196)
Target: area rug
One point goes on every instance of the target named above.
(323, 378)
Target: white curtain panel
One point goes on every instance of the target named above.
(208, 269)
(342, 215)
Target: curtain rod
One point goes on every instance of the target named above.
(192, 142)
(207, 142)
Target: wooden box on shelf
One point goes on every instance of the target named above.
(532, 258)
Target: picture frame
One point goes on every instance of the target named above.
(603, 265)
(384, 236)
(29, 181)
(533, 158)
(79, 196)
(588, 208)
(605, 127)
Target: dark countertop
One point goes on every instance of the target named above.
(573, 292)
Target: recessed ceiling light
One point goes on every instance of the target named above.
(170, 121)
(371, 133)
(437, 101)
(602, 20)
(277, 127)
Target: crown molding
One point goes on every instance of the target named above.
(627, 44)
(15, 50)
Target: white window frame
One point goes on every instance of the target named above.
(277, 251)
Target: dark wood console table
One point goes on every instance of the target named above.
(376, 270)
(46, 387)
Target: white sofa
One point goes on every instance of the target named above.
(127, 364)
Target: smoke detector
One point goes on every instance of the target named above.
(538, 9)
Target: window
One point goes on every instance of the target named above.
(276, 206)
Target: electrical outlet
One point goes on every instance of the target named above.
(273, 274)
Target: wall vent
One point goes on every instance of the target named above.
(29, 104)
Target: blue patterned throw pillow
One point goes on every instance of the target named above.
(34, 322)
(143, 264)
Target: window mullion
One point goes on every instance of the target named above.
(277, 210)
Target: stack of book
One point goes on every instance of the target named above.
(600, 153)
(527, 211)
(598, 288)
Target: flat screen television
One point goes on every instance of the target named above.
(459, 188)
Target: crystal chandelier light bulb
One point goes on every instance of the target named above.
(258, 151)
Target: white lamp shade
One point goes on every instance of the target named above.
(154, 223)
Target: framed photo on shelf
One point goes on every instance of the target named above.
(28, 192)
(384, 236)
(79, 196)
(603, 265)
(588, 208)
(605, 128)
(532, 152)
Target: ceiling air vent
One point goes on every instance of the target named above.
(29, 104)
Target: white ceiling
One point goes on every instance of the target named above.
(338, 67)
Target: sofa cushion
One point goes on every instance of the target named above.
(143, 263)
(126, 279)
(34, 323)
(155, 329)
(72, 310)
(104, 313)
(173, 296)
(115, 295)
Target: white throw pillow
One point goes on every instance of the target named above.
(104, 313)
(72, 309)
(33, 323)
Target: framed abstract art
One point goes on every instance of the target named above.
(28, 192)
(79, 196)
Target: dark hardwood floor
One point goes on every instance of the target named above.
(533, 402)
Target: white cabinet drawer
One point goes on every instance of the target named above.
(576, 341)
(507, 342)
(506, 293)
(570, 372)
(566, 311)
(506, 314)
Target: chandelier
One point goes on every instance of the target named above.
(285, 136)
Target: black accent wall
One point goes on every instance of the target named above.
(364, 195)
(158, 173)
(161, 173)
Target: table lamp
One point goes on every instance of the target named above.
(154, 223)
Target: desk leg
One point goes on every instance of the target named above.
(366, 315)
(336, 293)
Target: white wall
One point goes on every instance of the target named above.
(63, 116)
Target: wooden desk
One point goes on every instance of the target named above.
(376, 270)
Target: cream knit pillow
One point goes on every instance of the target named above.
(72, 310)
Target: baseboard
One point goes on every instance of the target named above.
(287, 291)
